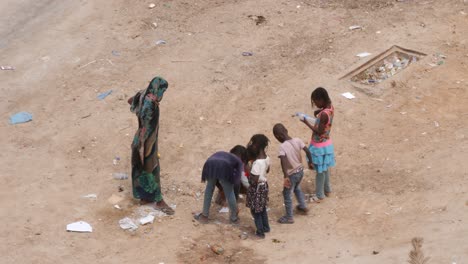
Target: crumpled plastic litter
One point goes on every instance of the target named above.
(21, 117)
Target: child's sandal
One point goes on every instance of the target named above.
(285, 220)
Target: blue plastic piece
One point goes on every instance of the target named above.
(103, 95)
(21, 117)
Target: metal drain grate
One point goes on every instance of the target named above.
(384, 66)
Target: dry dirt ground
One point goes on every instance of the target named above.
(398, 175)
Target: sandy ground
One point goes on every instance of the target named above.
(398, 175)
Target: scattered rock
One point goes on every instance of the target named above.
(274, 240)
(244, 236)
(375, 252)
(151, 6)
(217, 249)
(258, 19)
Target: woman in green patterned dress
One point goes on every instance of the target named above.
(145, 157)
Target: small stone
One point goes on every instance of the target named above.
(375, 252)
(155, 25)
(274, 240)
(151, 6)
(217, 249)
(244, 235)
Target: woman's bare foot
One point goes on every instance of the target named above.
(162, 206)
(327, 194)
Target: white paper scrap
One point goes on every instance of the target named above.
(354, 27)
(127, 223)
(348, 95)
(79, 226)
(224, 210)
(363, 54)
(91, 196)
(147, 219)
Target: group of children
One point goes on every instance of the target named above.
(222, 167)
